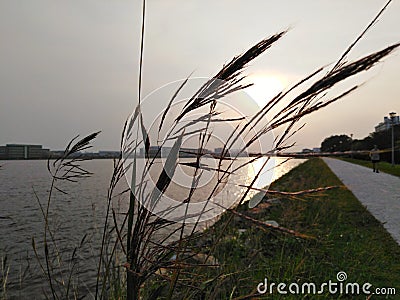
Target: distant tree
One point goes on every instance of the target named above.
(366, 143)
(383, 140)
(336, 143)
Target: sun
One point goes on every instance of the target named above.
(265, 87)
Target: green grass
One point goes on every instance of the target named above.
(347, 238)
(382, 166)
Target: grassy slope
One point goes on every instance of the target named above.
(383, 166)
(348, 239)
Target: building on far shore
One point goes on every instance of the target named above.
(109, 154)
(23, 151)
(306, 150)
(313, 150)
(387, 123)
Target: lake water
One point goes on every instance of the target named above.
(22, 185)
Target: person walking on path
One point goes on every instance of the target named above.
(374, 155)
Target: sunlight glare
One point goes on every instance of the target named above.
(265, 88)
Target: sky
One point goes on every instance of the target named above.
(71, 67)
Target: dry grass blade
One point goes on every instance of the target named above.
(291, 116)
(132, 121)
(344, 72)
(141, 51)
(168, 171)
(298, 193)
(204, 167)
(265, 226)
(342, 59)
(84, 143)
(227, 79)
(145, 136)
(170, 103)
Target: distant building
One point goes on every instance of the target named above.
(306, 150)
(57, 153)
(3, 152)
(22, 151)
(154, 151)
(188, 152)
(227, 152)
(387, 123)
(316, 150)
(165, 151)
(109, 154)
(218, 150)
(237, 152)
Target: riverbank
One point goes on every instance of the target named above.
(344, 237)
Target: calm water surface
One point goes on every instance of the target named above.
(22, 185)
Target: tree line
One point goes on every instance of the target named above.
(383, 139)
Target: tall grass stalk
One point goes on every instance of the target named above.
(5, 269)
(155, 247)
(66, 168)
(147, 253)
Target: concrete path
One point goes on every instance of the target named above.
(379, 192)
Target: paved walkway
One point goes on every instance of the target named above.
(380, 193)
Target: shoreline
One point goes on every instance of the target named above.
(343, 236)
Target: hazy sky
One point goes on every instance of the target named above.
(70, 67)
